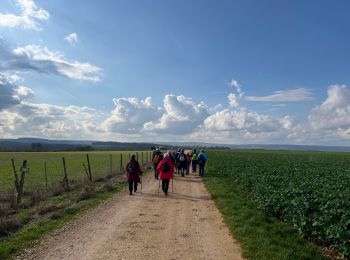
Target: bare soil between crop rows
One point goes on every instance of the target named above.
(183, 225)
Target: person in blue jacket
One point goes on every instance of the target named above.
(202, 159)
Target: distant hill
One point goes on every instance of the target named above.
(46, 145)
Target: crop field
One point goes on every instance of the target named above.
(308, 190)
(35, 180)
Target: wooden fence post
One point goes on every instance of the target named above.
(142, 156)
(65, 178)
(45, 170)
(110, 163)
(89, 167)
(19, 192)
(86, 171)
(121, 162)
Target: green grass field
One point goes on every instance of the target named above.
(310, 191)
(35, 179)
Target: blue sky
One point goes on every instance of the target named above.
(228, 71)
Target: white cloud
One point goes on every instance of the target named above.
(41, 59)
(44, 120)
(292, 95)
(130, 115)
(242, 120)
(27, 18)
(334, 113)
(8, 93)
(181, 116)
(234, 83)
(233, 100)
(72, 38)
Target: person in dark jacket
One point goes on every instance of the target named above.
(166, 170)
(133, 171)
(156, 158)
(202, 159)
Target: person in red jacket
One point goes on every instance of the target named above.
(133, 170)
(166, 170)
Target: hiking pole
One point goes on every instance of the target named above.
(158, 186)
(172, 185)
(126, 180)
(141, 183)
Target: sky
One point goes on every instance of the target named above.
(235, 72)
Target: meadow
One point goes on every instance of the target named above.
(310, 191)
(101, 165)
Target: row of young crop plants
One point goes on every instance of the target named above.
(308, 190)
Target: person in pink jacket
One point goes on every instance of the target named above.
(133, 170)
(166, 170)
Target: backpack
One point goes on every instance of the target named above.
(156, 158)
(165, 167)
(132, 167)
(201, 157)
(194, 156)
(182, 157)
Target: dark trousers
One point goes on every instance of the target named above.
(165, 185)
(131, 184)
(183, 168)
(194, 165)
(156, 174)
(201, 169)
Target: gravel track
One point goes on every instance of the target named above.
(184, 225)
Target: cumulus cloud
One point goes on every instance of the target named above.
(292, 95)
(41, 59)
(334, 113)
(242, 120)
(181, 116)
(234, 84)
(233, 100)
(10, 93)
(130, 115)
(72, 38)
(28, 18)
(44, 120)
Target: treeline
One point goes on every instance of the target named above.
(13, 146)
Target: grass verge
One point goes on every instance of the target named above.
(33, 231)
(260, 237)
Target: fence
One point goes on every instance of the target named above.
(46, 170)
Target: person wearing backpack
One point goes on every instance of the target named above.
(182, 162)
(133, 170)
(166, 170)
(188, 160)
(194, 160)
(202, 159)
(156, 159)
(177, 161)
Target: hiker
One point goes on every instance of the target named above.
(161, 157)
(166, 169)
(202, 158)
(177, 161)
(194, 160)
(182, 163)
(172, 156)
(156, 160)
(188, 160)
(133, 170)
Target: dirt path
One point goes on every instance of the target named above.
(184, 225)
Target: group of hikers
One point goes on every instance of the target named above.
(166, 165)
